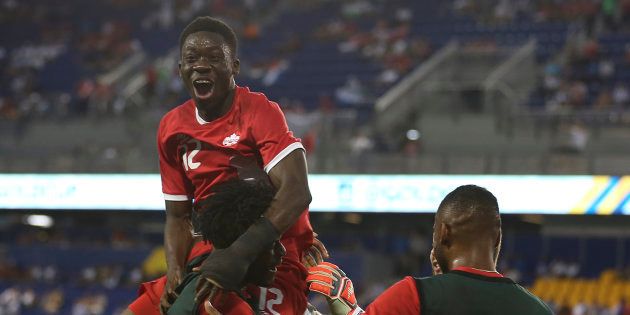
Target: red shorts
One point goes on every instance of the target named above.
(150, 293)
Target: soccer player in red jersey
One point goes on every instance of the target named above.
(466, 245)
(226, 131)
(225, 215)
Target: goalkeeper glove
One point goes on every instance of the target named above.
(330, 281)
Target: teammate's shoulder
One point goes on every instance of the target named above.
(408, 282)
(544, 308)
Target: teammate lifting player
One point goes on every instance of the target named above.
(224, 216)
(226, 131)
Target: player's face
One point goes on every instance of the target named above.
(208, 67)
(263, 270)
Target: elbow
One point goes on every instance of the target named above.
(306, 199)
(301, 199)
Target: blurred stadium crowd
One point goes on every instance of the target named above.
(113, 62)
(93, 264)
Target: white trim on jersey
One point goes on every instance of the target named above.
(176, 197)
(358, 311)
(200, 120)
(290, 148)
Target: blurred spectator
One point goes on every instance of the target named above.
(609, 11)
(606, 70)
(356, 8)
(361, 144)
(352, 92)
(504, 11)
(28, 299)
(621, 96)
(10, 303)
(88, 275)
(558, 268)
(623, 308)
(574, 139)
(300, 121)
(52, 301)
(573, 269)
(578, 93)
(604, 100)
(251, 31)
(274, 71)
(91, 304)
(552, 80)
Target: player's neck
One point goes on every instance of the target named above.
(210, 113)
(478, 258)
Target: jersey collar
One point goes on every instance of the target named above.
(200, 120)
(480, 272)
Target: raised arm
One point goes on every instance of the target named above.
(293, 196)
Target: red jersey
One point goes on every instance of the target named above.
(403, 298)
(284, 297)
(194, 154)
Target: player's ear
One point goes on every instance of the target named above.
(179, 67)
(445, 234)
(236, 66)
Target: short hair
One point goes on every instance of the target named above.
(210, 24)
(231, 208)
(472, 208)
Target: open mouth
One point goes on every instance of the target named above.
(203, 88)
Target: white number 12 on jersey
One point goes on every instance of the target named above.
(266, 303)
(187, 159)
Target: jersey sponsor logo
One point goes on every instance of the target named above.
(231, 140)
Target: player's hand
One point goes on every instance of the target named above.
(173, 279)
(327, 279)
(316, 254)
(207, 305)
(434, 264)
(220, 270)
(210, 309)
(248, 169)
(226, 267)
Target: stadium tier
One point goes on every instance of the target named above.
(561, 106)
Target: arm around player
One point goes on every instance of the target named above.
(226, 268)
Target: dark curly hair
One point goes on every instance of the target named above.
(231, 208)
(210, 24)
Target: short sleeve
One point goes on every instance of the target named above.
(175, 185)
(272, 136)
(401, 298)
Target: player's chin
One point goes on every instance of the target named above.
(204, 102)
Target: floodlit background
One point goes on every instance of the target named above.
(434, 91)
